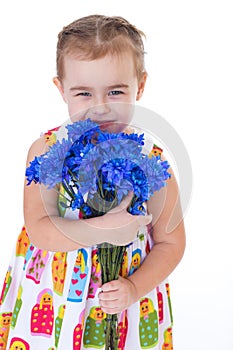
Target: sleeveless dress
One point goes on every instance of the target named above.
(49, 300)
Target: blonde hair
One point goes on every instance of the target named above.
(92, 37)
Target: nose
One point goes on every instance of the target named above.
(100, 109)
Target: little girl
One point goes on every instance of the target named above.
(52, 296)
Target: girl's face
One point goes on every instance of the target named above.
(104, 90)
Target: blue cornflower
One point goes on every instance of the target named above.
(92, 162)
(139, 182)
(86, 210)
(33, 171)
(82, 128)
(137, 208)
(139, 139)
(114, 170)
(156, 172)
(77, 202)
(51, 168)
(123, 189)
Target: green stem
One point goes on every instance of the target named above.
(99, 182)
(62, 195)
(67, 189)
(109, 264)
(111, 342)
(110, 259)
(72, 175)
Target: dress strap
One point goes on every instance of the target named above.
(50, 136)
(156, 151)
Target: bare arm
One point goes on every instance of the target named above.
(169, 237)
(48, 231)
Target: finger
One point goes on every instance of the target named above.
(127, 200)
(110, 286)
(112, 309)
(110, 304)
(109, 295)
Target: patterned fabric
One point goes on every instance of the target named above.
(49, 300)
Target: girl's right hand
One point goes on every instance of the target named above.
(124, 226)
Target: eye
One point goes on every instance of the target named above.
(115, 92)
(85, 94)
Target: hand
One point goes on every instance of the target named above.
(123, 225)
(117, 295)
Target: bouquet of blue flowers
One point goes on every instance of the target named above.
(97, 169)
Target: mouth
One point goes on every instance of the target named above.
(106, 124)
(103, 122)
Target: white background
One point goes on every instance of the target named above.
(189, 60)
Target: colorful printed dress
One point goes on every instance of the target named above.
(49, 300)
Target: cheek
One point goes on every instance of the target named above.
(77, 110)
(71, 110)
(124, 112)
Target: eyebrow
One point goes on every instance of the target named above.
(88, 88)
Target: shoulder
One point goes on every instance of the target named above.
(50, 136)
(151, 143)
(37, 148)
(42, 144)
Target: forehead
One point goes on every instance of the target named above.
(109, 69)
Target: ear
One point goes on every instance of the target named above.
(59, 85)
(141, 86)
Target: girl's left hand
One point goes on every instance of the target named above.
(117, 295)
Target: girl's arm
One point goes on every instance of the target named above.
(48, 231)
(169, 238)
